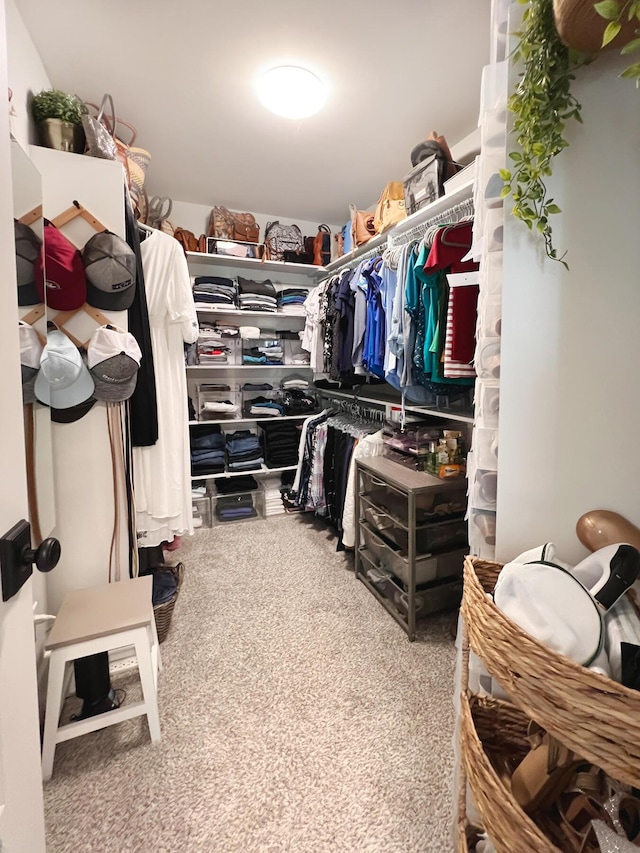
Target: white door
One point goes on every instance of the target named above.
(21, 806)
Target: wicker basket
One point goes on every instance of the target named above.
(596, 717)
(491, 726)
(163, 612)
(581, 27)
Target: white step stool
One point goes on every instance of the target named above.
(95, 620)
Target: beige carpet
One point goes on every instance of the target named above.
(295, 717)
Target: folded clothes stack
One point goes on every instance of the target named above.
(297, 401)
(212, 291)
(268, 352)
(207, 451)
(244, 452)
(210, 352)
(257, 295)
(297, 382)
(281, 443)
(273, 496)
(291, 300)
(265, 407)
(235, 507)
(231, 485)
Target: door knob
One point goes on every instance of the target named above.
(45, 557)
(17, 557)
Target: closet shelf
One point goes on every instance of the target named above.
(250, 420)
(463, 417)
(200, 259)
(263, 470)
(232, 367)
(437, 207)
(236, 312)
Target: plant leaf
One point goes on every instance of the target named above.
(609, 9)
(505, 174)
(634, 44)
(553, 208)
(632, 70)
(611, 31)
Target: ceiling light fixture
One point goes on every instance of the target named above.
(291, 92)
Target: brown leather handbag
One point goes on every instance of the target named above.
(226, 225)
(362, 225)
(187, 240)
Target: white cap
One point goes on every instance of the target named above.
(108, 341)
(30, 346)
(63, 380)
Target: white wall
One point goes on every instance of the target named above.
(27, 75)
(570, 404)
(195, 217)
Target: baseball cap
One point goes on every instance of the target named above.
(28, 251)
(63, 380)
(113, 357)
(73, 413)
(30, 353)
(110, 267)
(66, 281)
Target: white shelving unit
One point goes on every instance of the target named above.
(223, 474)
(283, 275)
(199, 261)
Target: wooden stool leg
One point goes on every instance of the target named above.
(57, 663)
(148, 681)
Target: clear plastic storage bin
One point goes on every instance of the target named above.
(262, 404)
(201, 512)
(262, 351)
(237, 507)
(219, 404)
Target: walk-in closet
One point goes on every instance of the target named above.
(319, 520)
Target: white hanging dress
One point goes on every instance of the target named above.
(162, 472)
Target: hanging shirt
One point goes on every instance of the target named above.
(359, 289)
(162, 478)
(450, 245)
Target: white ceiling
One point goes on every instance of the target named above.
(182, 72)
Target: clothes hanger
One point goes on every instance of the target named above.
(447, 229)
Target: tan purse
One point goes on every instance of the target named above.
(362, 225)
(226, 225)
(390, 209)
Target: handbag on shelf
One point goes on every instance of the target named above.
(226, 225)
(279, 239)
(104, 139)
(100, 140)
(322, 246)
(187, 240)
(362, 226)
(390, 209)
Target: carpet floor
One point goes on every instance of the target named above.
(295, 716)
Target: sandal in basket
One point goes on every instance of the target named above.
(544, 773)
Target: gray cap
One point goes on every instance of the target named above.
(110, 267)
(28, 250)
(115, 378)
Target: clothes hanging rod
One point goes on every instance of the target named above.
(455, 214)
(438, 211)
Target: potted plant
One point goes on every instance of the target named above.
(59, 119)
(542, 105)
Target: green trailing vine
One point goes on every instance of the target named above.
(618, 12)
(542, 104)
